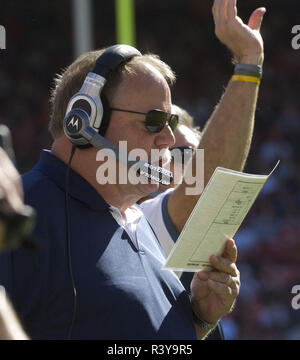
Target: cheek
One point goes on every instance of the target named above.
(111, 134)
(116, 132)
(137, 136)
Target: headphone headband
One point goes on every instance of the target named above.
(112, 57)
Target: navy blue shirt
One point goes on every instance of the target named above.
(122, 292)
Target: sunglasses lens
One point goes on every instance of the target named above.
(155, 120)
(173, 122)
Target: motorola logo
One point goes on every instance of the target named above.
(74, 124)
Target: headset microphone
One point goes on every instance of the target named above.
(76, 126)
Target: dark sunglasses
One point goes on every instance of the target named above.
(183, 149)
(156, 119)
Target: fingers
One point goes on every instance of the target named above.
(256, 18)
(224, 265)
(223, 289)
(199, 283)
(214, 11)
(218, 10)
(223, 278)
(231, 10)
(230, 251)
(219, 277)
(226, 279)
(224, 11)
(224, 284)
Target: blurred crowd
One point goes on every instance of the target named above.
(39, 44)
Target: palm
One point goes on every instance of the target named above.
(251, 33)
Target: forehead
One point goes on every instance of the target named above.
(143, 89)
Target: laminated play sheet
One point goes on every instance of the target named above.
(218, 214)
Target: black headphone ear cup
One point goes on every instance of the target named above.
(106, 115)
(82, 104)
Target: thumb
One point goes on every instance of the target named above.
(256, 18)
(230, 251)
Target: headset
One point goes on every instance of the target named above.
(87, 115)
(90, 98)
(86, 120)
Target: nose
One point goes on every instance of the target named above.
(165, 138)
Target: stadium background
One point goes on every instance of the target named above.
(39, 44)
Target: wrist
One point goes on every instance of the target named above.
(204, 325)
(251, 59)
(247, 73)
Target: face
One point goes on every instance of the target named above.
(142, 91)
(184, 137)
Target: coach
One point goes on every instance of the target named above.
(97, 272)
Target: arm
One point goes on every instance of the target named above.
(227, 135)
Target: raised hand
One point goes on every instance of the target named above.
(243, 40)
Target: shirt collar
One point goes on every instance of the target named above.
(132, 214)
(78, 187)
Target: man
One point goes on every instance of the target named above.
(111, 279)
(121, 292)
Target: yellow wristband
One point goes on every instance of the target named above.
(245, 78)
